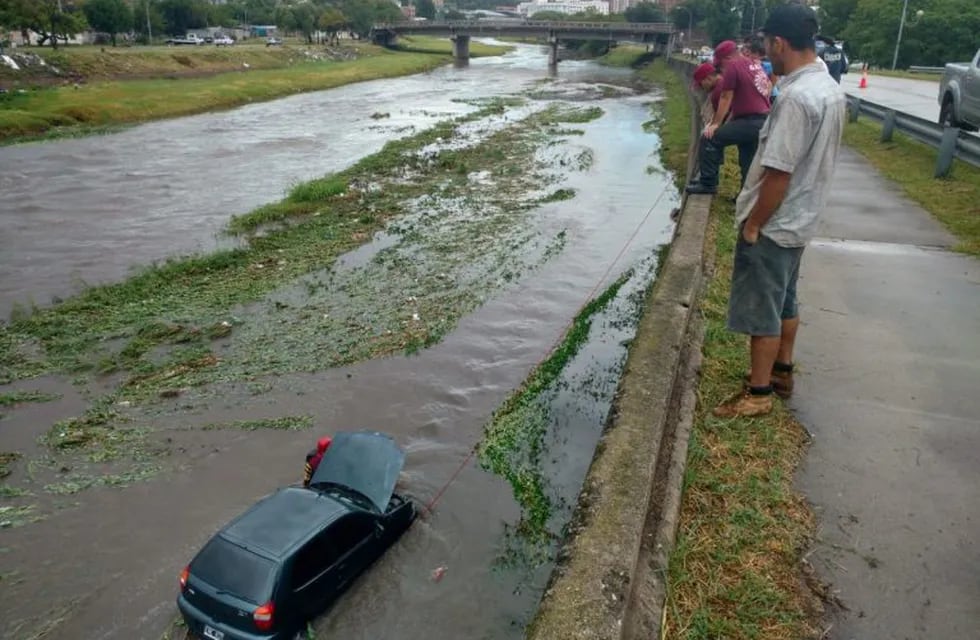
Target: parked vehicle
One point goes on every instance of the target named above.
(272, 42)
(275, 567)
(222, 40)
(959, 95)
(190, 38)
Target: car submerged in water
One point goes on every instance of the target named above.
(267, 573)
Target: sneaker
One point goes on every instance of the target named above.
(782, 383)
(701, 188)
(744, 405)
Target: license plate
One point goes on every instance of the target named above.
(213, 634)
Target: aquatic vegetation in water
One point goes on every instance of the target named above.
(513, 439)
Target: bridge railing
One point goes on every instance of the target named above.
(612, 27)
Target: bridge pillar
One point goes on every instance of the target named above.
(553, 51)
(461, 47)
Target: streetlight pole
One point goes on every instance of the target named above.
(690, 19)
(149, 29)
(901, 27)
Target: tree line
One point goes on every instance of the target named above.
(945, 31)
(55, 20)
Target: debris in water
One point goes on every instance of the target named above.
(438, 573)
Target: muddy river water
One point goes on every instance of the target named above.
(103, 563)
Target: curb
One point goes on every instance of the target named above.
(609, 579)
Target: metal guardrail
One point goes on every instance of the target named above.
(950, 141)
(611, 27)
(937, 70)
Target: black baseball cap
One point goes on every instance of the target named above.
(794, 22)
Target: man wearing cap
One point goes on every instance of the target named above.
(708, 90)
(745, 91)
(779, 206)
(833, 56)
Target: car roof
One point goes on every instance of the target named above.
(284, 520)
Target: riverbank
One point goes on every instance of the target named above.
(735, 570)
(78, 109)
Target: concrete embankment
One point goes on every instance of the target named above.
(609, 579)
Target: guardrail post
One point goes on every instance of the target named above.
(888, 127)
(947, 149)
(854, 106)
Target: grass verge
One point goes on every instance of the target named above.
(428, 44)
(34, 113)
(954, 201)
(735, 570)
(672, 118)
(900, 73)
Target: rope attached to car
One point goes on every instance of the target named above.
(431, 505)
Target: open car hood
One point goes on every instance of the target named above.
(366, 461)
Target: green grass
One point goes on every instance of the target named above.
(159, 325)
(40, 111)
(20, 397)
(954, 201)
(428, 44)
(671, 118)
(735, 570)
(513, 438)
(624, 56)
(284, 423)
(6, 460)
(101, 63)
(901, 73)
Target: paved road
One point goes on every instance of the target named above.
(889, 380)
(918, 97)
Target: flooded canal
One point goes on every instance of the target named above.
(102, 563)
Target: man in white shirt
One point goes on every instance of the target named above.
(777, 211)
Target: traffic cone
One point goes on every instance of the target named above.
(864, 80)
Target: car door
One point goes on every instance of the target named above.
(970, 100)
(356, 542)
(313, 578)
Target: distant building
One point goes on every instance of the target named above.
(568, 7)
(408, 10)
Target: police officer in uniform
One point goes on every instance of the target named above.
(833, 56)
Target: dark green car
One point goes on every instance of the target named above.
(282, 562)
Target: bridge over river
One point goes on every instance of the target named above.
(657, 35)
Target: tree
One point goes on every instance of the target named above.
(109, 16)
(302, 17)
(835, 15)
(644, 12)
(425, 9)
(331, 21)
(945, 32)
(181, 15)
(141, 10)
(362, 15)
(50, 19)
(722, 21)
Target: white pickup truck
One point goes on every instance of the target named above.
(190, 38)
(959, 95)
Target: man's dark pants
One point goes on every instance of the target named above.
(744, 132)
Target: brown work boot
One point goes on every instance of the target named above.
(744, 404)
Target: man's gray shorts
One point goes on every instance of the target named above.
(763, 286)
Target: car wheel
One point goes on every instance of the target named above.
(946, 117)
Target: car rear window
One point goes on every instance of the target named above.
(235, 570)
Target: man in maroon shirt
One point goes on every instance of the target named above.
(744, 103)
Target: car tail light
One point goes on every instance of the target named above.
(183, 577)
(263, 616)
